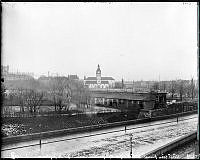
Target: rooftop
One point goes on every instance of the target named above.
(95, 82)
(102, 78)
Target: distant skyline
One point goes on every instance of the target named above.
(133, 41)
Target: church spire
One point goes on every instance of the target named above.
(98, 71)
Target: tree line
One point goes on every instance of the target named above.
(57, 91)
(183, 88)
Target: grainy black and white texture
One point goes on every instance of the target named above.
(56, 57)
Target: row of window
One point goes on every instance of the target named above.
(102, 100)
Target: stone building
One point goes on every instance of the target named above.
(12, 76)
(99, 81)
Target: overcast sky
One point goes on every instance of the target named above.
(136, 41)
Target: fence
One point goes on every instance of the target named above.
(173, 108)
(27, 115)
(56, 133)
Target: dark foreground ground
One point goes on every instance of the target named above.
(187, 151)
(13, 126)
(145, 138)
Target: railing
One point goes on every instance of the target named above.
(20, 138)
(119, 90)
(26, 115)
(17, 114)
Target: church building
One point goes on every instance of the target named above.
(98, 81)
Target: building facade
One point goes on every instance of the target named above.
(99, 81)
(73, 77)
(12, 76)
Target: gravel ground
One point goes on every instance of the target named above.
(186, 151)
(143, 139)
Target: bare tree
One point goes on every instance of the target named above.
(172, 88)
(181, 89)
(26, 94)
(33, 99)
(20, 94)
(155, 86)
(3, 96)
(164, 86)
(81, 94)
(148, 85)
(3, 91)
(192, 87)
(60, 93)
(196, 91)
(86, 97)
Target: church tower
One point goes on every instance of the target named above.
(98, 75)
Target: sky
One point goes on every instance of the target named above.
(133, 41)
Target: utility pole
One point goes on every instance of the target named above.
(131, 147)
(40, 141)
(177, 118)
